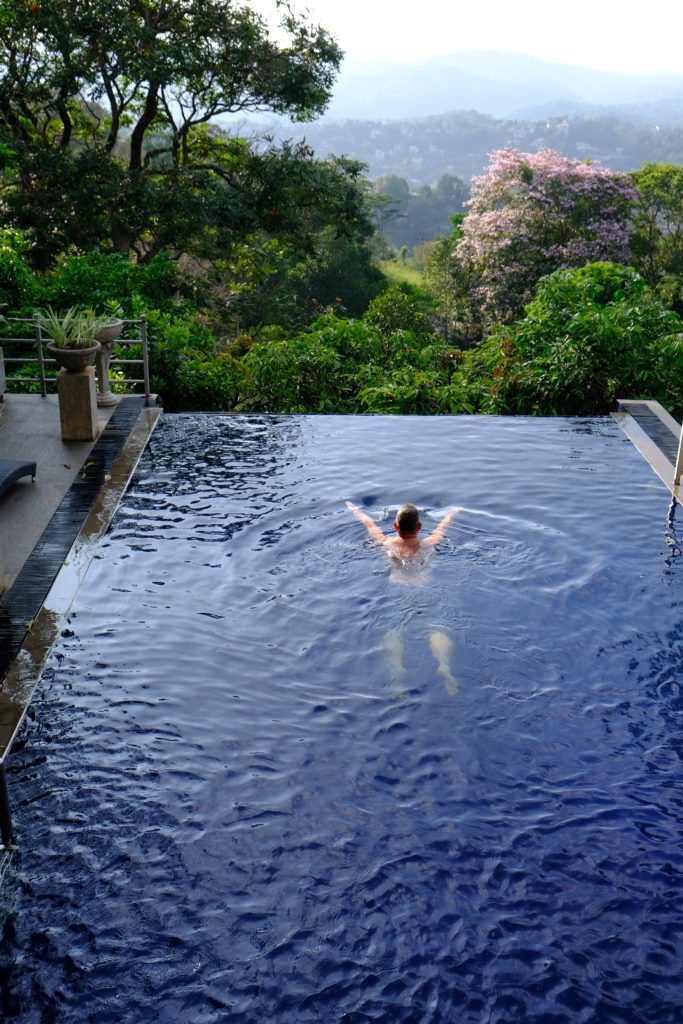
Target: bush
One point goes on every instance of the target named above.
(394, 311)
(173, 342)
(17, 281)
(301, 374)
(208, 384)
(96, 278)
(589, 336)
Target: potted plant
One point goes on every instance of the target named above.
(73, 336)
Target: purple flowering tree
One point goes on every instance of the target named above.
(534, 213)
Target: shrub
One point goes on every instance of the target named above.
(589, 336)
(394, 311)
(97, 278)
(208, 384)
(17, 281)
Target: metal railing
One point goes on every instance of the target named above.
(37, 343)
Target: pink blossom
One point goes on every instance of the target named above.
(532, 213)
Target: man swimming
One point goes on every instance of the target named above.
(407, 525)
(407, 557)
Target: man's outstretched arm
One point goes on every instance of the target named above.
(440, 530)
(369, 524)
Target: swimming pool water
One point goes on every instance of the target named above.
(229, 807)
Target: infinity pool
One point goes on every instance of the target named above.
(249, 793)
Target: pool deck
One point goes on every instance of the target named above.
(30, 429)
(50, 530)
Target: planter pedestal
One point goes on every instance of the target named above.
(107, 337)
(105, 396)
(77, 404)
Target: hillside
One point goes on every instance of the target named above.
(421, 150)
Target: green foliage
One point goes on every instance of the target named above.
(394, 311)
(105, 133)
(589, 336)
(174, 342)
(453, 286)
(273, 283)
(406, 390)
(343, 366)
(16, 279)
(103, 277)
(657, 243)
(408, 217)
(308, 373)
(207, 383)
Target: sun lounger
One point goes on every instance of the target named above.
(12, 470)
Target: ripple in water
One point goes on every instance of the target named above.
(231, 810)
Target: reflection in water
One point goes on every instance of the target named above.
(672, 540)
(393, 645)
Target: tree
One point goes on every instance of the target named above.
(106, 109)
(658, 238)
(532, 213)
(394, 312)
(453, 285)
(421, 215)
(271, 283)
(589, 336)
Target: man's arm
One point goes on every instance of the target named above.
(440, 530)
(369, 524)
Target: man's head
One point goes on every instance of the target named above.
(407, 521)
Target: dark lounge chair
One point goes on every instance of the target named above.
(12, 470)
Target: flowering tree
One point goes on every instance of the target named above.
(533, 213)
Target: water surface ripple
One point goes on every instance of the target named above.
(232, 809)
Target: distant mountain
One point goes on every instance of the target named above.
(447, 114)
(500, 84)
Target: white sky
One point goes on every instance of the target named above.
(613, 35)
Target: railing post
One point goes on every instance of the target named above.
(145, 356)
(39, 346)
(5, 816)
(679, 461)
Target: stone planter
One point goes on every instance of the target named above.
(107, 336)
(74, 360)
(110, 332)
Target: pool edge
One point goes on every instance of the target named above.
(650, 450)
(25, 669)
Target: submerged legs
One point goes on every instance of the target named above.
(393, 645)
(441, 647)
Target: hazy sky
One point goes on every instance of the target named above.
(615, 35)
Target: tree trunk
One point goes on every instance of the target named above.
(138, 136)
